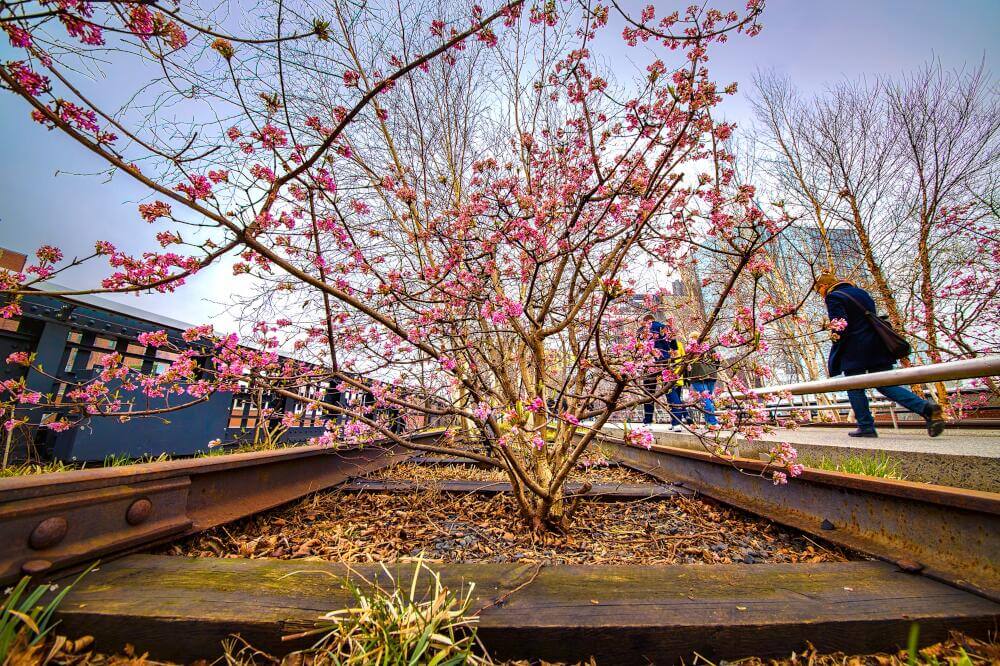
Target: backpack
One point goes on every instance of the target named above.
(895, 343)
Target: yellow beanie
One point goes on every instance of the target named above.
(826, 279)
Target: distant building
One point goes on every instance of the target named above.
(682, 302)
(12, 261)
(845, 248)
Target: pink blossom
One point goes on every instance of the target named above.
(153, 211)
(406, 194)
(154, 338)
(19, 38)
(537, 405)
(271, 137)
(10, 311)
(262, 172)
(19, 358)
(640, 437)
(141, 22)
(31, 397)
(197, 187)
(570, 418)
(48, 253)
(27, 78)
(87, 32)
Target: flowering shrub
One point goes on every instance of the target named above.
(479, 278)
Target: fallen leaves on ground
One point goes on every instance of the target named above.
(958, 649)
(610, 474)
(371, 526)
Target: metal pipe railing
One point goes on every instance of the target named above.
(984, 366)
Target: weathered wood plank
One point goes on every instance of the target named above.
(607, 491)
(179, 608)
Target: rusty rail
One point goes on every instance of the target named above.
(55, 521)
(949, 534)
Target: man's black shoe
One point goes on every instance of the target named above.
(935, 419)
(862, 433)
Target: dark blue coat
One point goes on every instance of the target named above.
(663, 344)
(859, 347)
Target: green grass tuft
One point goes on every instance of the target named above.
(878, 464)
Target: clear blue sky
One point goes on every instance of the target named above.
(815, 43)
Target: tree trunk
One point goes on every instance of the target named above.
(927, 298)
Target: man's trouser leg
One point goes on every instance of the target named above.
(906, 398)
(648, 408)
(678, 413)
(707, 386)
(859, 403)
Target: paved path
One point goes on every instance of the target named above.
(965, 458)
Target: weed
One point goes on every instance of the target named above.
(878, 464)
(24, 621)
(123, 459)
(405, 626)
(35, 468)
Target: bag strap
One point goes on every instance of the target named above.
(857, 303)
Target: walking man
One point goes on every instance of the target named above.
(859, 350)
(665, 348)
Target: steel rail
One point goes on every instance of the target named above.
(950, 534)
(984, 366)
(55, 521)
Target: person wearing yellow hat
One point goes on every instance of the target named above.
(666, 348)
(858, 349)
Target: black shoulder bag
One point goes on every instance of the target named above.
(897, 345)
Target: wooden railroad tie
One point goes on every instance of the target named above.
(602, 491)
(181, 608)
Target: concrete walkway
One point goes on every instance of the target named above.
(963, 458)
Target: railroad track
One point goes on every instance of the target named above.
(54, 522)
(940, 547)
(950, 534)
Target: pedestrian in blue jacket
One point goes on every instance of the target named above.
(858, 350)
(664, 347)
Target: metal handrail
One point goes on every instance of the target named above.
(984, 366)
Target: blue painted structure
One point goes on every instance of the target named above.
(69, 335)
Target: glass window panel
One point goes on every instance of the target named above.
(95, 358)
(70, 359)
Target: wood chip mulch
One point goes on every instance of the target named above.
(610, 474)
(958, 650)
(383, 527)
